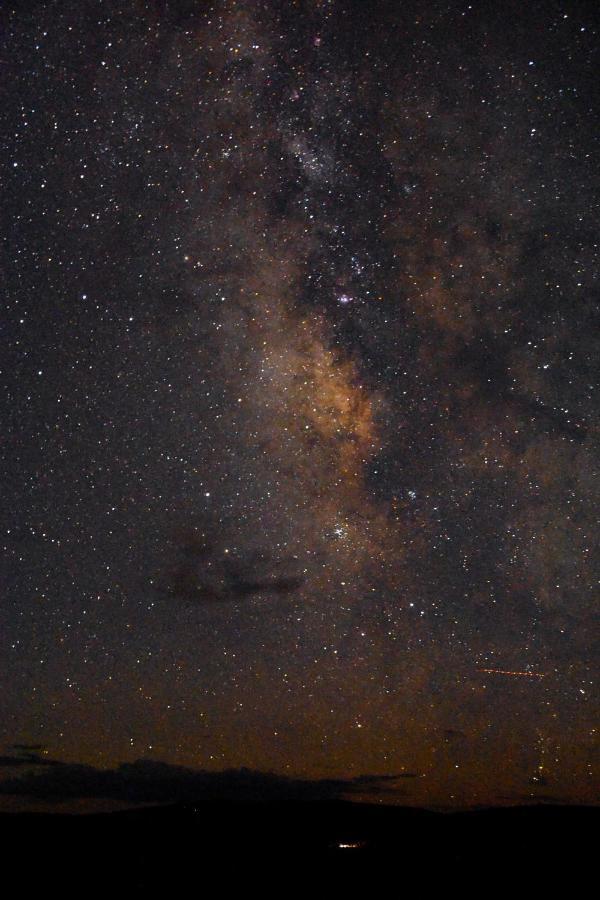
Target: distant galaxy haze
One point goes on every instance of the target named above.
(300, 353)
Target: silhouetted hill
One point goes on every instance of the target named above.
(174, 846)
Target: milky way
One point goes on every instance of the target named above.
(300, 368)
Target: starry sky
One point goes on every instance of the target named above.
(299, 390)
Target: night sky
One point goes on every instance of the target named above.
(299, 362)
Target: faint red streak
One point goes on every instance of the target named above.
(516, 674)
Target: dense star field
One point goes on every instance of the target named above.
(300, 373)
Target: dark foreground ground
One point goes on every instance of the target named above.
(178, 849)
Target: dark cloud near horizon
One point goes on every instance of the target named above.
(28, 748)
(27, 758)
(148, 781)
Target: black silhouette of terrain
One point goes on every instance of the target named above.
(175, 847)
